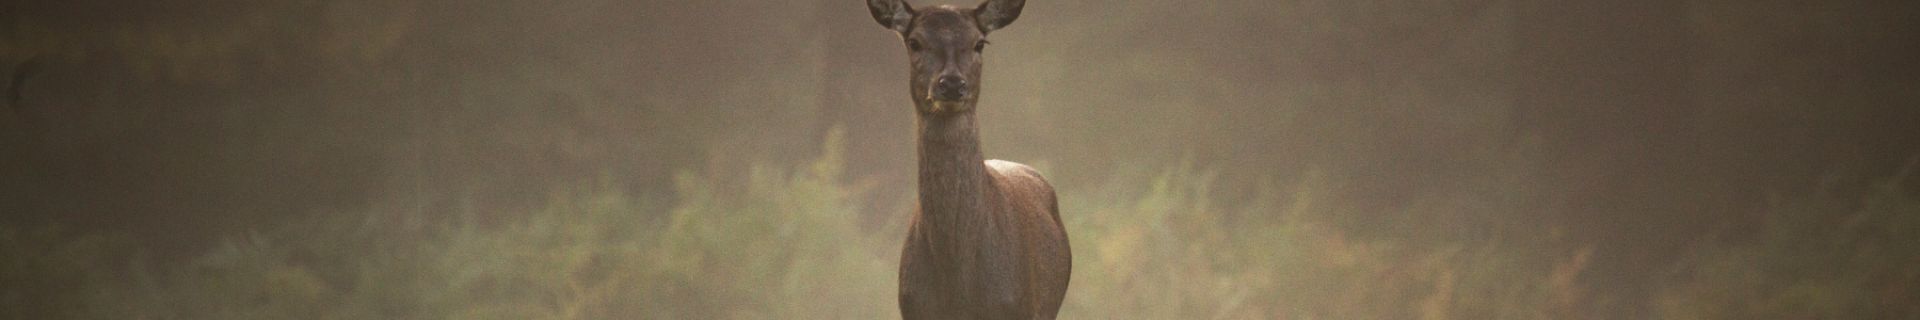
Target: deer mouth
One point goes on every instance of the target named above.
(956, 96)
(946, 106)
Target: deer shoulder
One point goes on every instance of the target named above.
(1025, 188)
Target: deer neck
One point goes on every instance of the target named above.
(953, 175)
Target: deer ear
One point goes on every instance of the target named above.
(893, 14)
(995, 14)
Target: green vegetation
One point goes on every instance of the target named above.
(1178, 253)
(780, 242)
(1808, 263)
(419, 159)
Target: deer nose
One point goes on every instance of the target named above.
(951, 87)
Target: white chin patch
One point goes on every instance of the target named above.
(947, 106)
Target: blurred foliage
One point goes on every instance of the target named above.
(781, 244)
(1809, 263)
(785, 242)
(1177, 252)
(1346, 159)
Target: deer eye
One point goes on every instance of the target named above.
(913, 44)
(980, 46)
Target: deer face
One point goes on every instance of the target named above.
(944, 44)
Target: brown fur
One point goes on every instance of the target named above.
(986, 242)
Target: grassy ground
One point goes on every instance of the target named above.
(788, 242)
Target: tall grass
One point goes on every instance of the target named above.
(1809, 263)
(785, 243)
(1175, 252)
(788, 242)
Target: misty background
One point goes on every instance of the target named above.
(1627, 136)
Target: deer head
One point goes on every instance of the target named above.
(944, 44)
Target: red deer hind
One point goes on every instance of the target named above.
(986, 242)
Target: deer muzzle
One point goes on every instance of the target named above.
(950, 88)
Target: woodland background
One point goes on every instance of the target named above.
(590, 159)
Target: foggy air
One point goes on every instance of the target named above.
(1242, 159)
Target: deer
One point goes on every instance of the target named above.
(986, 241)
